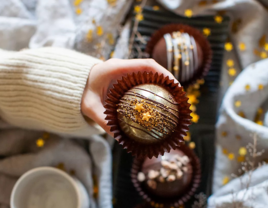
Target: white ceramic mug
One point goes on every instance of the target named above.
(48, 187)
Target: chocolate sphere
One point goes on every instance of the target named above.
(147, 113)
(168, 175)
(189, 55)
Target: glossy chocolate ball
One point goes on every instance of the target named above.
(148, 113)
(168, 175)
(185, 49)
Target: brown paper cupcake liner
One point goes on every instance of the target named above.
(138, 149)
(177, 201)
(198, 36)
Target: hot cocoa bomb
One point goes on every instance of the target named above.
(168, 175)
(180, 53)
(148, 113)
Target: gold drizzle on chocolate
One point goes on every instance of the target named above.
(148, 113)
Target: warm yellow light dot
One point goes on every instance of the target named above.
(206, 31)
(40, 142)
(247, 87)
(89, 36)
(187, 137)
(137, 9)
(228, 46)
(192, 99)
(260, 111)
(224, 133)
(201, 81)
(224, 151)
(139, 17)
(260, 87)
(193, 108)
(263, 55)
(259, 122)
(188, 13)
(155, 8)
(218, 19)
(266, 46)
(230, 63)
(242, 151)
(195, 117)
(78, 11)
(99, 30)
(232, 72)
(241, 114)
(238, 103)
(192, 145)
(231, 156)
(241, 159)
(77, 2)
(112, 2)
(242, 46)
(225, 180)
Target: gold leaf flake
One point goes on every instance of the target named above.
(228, 46)
(112, 54)
(89, 36)
(262, 41)
(218, 19)
(137, 9)
(206, 31)
(78, 11)
(238, 103)
(77, 2)
(260, 87)
(139, 17)
(242, 46)
(187, 137)
(99, 30)
(224, 133)
(224, 151)
(241, 114)
(40, 142)
(266, 46)
(260, 111)
(263, 55)
(230, 63)
(247, 87)
(231, 156)
(110, 38)
(156, 8)
(242, 151)
(241, 159)
(192, 145)
(232, 72)
(195, 117)
(225, 180)
(259, 122)
(188, 13)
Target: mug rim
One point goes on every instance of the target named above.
(51, 170)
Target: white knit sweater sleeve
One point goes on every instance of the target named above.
(42, 89)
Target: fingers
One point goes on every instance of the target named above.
(122, 67)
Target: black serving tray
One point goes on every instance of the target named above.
(202, 133)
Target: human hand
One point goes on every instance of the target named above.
(102, 77)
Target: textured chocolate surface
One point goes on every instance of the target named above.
(160, 55)
(168, 175)
(148, 113)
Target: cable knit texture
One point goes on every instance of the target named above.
(42, 89)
